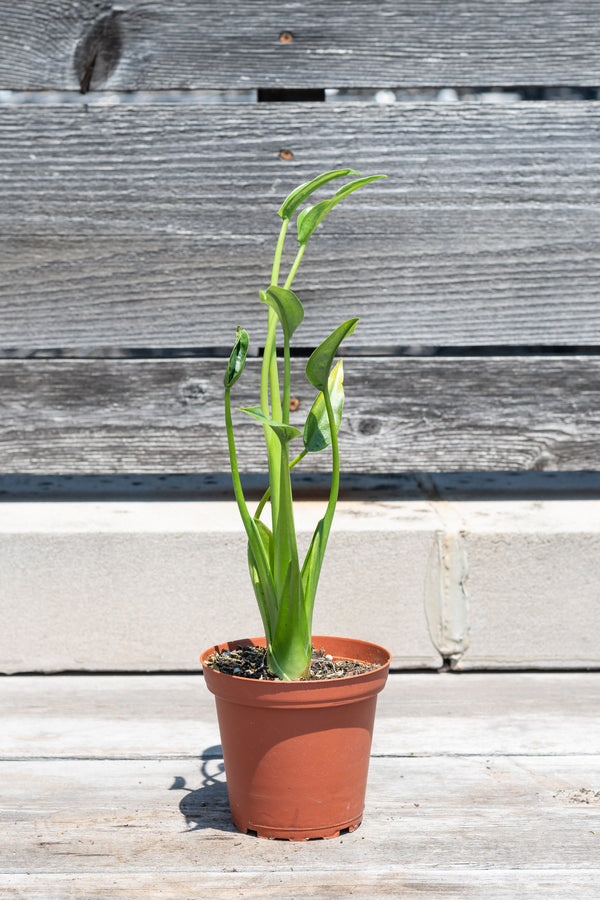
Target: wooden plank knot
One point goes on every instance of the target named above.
(98, 52)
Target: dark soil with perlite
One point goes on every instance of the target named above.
(251, 662)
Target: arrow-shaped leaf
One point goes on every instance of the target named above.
(284, 432)
(287, 306)
(299, 194)
(320, 361)
(317, 433)
(312, 216)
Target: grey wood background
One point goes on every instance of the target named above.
(155, 226)
(166, 415)
(152, 226)
(200, 44)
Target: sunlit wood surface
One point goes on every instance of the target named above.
(481, 785)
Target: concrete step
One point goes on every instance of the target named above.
(143, 586)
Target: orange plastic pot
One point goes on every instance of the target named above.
(297, 753)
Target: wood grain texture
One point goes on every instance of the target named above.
(126, 816)
(461, 820)
(153, 45)
(424, 715)
(107, 416)
(408, 882)
(155, 226)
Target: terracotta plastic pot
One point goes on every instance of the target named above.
(297, 753)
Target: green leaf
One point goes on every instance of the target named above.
(311, 568)
(299, 194)
(261, 575)
(267, 540)
(287, 306)
(320, 362)
(317, 433)
(312, 216)
(290, 650)
(237, 360)
(284, 432)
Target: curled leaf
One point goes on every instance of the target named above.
(299, 194)
(312, 216)
(237, 360)
(317, 432)
(287, 306)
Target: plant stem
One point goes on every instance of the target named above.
(314, 556)
(279, 251)
(270, 395)
(268, 373)
(287, 374)
(235, 474)
(295, 265)
(267, 601)
(267, 493)
(335, 465)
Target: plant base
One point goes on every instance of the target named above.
(297, 753)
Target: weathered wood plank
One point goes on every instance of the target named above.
(153, 45)
(100, 827)
(139, 816)
(142, 716)
(121, 226)
(446, 287)
(408, 882)
(402, 414)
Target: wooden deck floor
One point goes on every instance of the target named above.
(481, 785)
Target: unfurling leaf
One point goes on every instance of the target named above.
(284, 432)
(237, 360)
(287, 306)
(312, 216)
(321, 360)
(317, 432)
(299, 194)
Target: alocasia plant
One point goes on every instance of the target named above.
(284, 589)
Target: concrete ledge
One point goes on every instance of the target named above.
(142, 586)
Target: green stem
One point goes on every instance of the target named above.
(276, 408)
(270, 354)
(298, 458)
(269, 380)
(235, 474)
(287, 375)
(265, 497)
(284, 532)
(295, 265)
(335, 465)
(270, 392)
(279, 251)
(314, 558)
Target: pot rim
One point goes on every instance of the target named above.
(319, 692)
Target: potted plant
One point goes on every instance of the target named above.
(295, 726)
